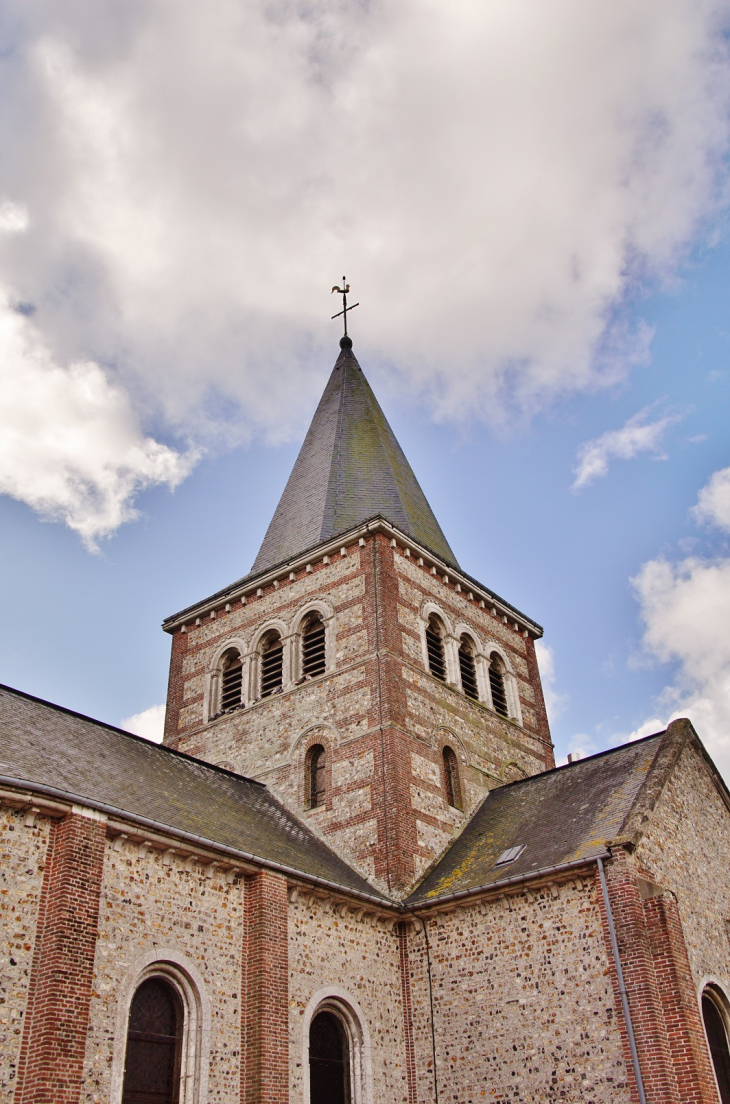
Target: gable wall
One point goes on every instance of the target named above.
(523, 1004)
(686, 849)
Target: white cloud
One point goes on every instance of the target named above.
(494, 179)
(685, 607)
(70, 445)
(637, 435)
(13, 218)
(554, 701)
(713, 501)
(150, 723)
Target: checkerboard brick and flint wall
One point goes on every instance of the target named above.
(382, 718)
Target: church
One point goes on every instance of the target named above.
(352, 873)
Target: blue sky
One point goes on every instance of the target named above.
(544, 281)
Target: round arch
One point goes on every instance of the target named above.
(333, 998)
(715, 1012)
(213, 673)
(177, 969)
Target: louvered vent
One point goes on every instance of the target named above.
(468, 669)
(313, 647)
(231, 681)
(435, 649)
(496, 683)
(272, 665)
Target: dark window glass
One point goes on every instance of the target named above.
(329, 1060)
(468, 669)
(316, 776)
(313, 647)
(717, 1038)
(272, 665)
(496, 683)
(435, 649)
(231, 681)
(451, 777)
(152, 1063)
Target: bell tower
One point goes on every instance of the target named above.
(375, 687)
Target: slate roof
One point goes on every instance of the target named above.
(561, 816)
(350, 468)
(92, 763)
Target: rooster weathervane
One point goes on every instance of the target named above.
(343, 292)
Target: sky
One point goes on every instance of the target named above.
(530, 202)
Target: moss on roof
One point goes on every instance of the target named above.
(561, 816)
(42, 744)
(350, 468)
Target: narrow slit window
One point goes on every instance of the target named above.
(272, 665)
(451, 778)
(313, 647)
(496, 683)
(435, 649)
(468, 669)
(316, 779)
(231, 681)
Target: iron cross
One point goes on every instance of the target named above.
(343, 292)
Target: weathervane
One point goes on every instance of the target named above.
(343, 292)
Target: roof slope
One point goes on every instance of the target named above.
(560, 816)
(350, 468)
(44, 745)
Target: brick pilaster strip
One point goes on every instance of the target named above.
(265, 985)
(645, 998)
(690, 1056)
(405, 978)
(52, 1051)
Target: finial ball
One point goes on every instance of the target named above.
(345, 342)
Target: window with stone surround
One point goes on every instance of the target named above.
(272, 665)
(315, 764)
(451, 778)
(467, 667)
(715, 1017)
(153, 1057)
(435, 648)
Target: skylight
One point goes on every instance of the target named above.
(510, 855)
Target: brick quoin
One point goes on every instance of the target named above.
(644, 994)
(692, 1064)
(407, 1013)
(54, 1036)
(265, 991)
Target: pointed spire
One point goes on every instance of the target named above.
(350, 468)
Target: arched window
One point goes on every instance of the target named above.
(496, 684)
(451, 778)
(435, 648)
(272, 664)
(313, 646)
(468, 668)
(231, 680)
(154, 1045)
(316, 762)
(329, 1060)
(718, 1041)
